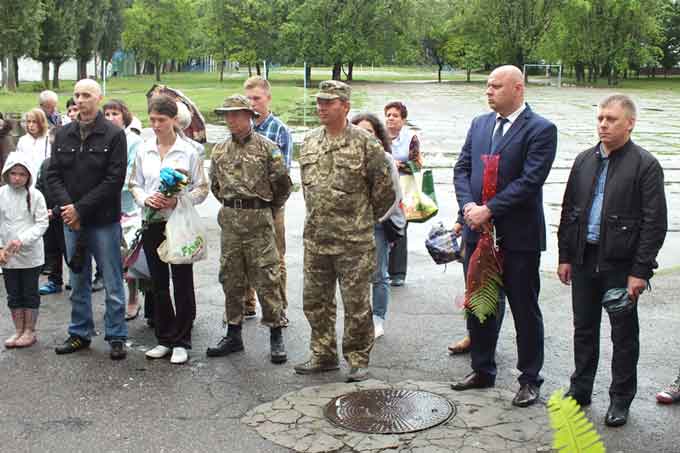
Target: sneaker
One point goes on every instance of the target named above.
(49, 288)
(316, 365)
(68, 287)
(397, 281)
(97, 284)
(378, 324)
(357, 374)
(158, 352)
(117, 350)
(72, 344)
(179, 355)
(670, 394)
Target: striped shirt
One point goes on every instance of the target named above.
(274, 129)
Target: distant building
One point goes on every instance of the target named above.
(30, 70)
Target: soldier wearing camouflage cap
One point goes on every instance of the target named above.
(347, 187)
(249, 177)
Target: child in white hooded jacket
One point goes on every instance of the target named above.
(23, 221)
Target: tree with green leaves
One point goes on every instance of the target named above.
(59, 31)
(111, 40)
(90, 31)
(669, 16)
(19, 33)
(156, 30)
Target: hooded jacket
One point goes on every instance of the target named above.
(17, 221)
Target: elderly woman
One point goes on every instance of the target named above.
(118, 113)
(405, 151)
(173, 325)
(35, 143)
(396, 219)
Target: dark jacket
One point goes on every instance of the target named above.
(633, 222)
(527, 151)
(89, 174)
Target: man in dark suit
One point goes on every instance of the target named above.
(526, 144)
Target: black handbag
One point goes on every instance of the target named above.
(392, 232)
(616, 300)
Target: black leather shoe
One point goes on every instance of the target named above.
(473, 380)
(117, 350)
(72, 344)
(526, 395)
(617, 414)
(227, 345)
(580, 399)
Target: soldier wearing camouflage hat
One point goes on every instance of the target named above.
(249, 177)
(347, 187)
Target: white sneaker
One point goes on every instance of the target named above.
(379, 325)
(158, 352)
(179, 355)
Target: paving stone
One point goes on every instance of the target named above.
(372, 442)
(287, 416)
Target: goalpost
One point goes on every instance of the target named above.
(548, 71)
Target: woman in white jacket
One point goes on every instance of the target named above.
(23, 221)
(35, 144)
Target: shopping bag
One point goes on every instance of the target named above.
(134, 261)
(185, 238)
(418, 206)
(442, 244)
(428, 185)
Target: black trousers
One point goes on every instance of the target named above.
(22, 287)
(55, 251)
(172, 325)
(521, 283)
(399, 257)
(587, 289)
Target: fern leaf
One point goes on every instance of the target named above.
(573, 432)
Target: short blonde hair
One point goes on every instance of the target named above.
(257, 82)
(626, 103)
(39, 117)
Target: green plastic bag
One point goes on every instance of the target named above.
(418, 206)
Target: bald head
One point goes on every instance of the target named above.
(505, 89)
(88, 94)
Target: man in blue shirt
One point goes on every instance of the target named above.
(258, 91)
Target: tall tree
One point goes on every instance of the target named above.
(156, 30)
(670, 43)
(59, 32)
(110, 40)
(19, 33)
(90, 31)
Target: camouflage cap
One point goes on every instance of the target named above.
(334, 89)
(236, 102)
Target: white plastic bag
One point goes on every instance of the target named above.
(185, 238)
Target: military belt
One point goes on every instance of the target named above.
(250, 203)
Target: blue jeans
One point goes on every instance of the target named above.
(103, 242)
(380, 280)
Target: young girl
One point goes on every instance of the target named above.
(23, 221)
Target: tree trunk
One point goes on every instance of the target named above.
(46, 73)
(267, 68)
(158, 70)
(11, 74)
(222, 71)
(82, 68)
(15, 60)
(138, 67)
(350, 71)
(580, 70)
(337, 68)
(250, 70)
(469, 71)
(55, 74)
(258, 68)
(308, 75)
(440, 66)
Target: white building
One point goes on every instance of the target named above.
(31, 70)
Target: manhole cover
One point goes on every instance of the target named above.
(389, 411)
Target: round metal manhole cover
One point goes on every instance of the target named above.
(389, 411)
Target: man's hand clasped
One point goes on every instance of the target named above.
(70, 216)
(476, 215)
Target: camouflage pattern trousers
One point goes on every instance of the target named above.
(353, 271)
(249, 257)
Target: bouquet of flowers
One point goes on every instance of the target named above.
(172, 182)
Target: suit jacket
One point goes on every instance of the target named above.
(527, 152)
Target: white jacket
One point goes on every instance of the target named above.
(17, 222)
(36, 150)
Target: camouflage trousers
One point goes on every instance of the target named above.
(280, 229)
(249, 257)
(353, 272)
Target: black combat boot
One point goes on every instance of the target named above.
(278, 349)
(231, 343)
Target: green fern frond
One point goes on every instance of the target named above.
(484, 301)
(573, 432)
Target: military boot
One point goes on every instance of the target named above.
(317, 364)
(278, 349)
(231, 343)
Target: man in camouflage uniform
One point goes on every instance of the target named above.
(347, 187)
(249, 177)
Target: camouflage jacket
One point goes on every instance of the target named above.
(254, 168)
(347, 187)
